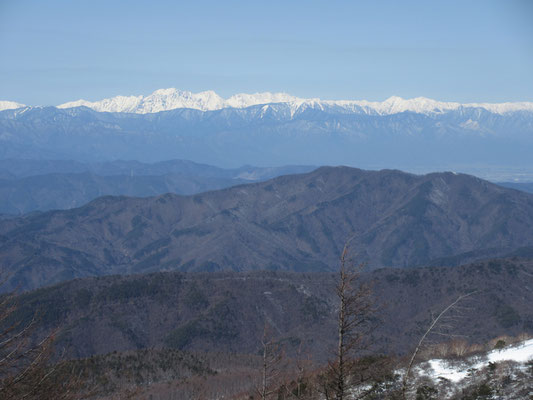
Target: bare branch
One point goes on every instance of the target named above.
(426, 333)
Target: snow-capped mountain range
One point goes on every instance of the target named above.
(10, 105)
(171, 99)
(278, 129)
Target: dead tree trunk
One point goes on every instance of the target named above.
(434, 323)
(272, 357)
(355, 308)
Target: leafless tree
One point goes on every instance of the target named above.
(436, 322)
(355, 310)
(303, 365)
(271, 368)
(299, 377)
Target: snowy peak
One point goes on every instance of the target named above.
(170, 99)
(116, 104)
(394, 105)
(10, 105)
(423, 105)
(244, 100)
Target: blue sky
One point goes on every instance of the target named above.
(55, 51)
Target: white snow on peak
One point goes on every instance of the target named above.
(395, 104)
(115, 104)
(423, 105)
(10, 105)
(243, 100)
(170, 99)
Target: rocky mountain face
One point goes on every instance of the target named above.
(227, 312)
(401, 136)
(295, 222)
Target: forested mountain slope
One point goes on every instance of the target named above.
(227, 311)
(296, 222)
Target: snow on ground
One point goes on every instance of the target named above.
(521, 353)
(441, 369)
(456, 372)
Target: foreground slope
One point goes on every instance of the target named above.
(227, 311)
(294, 222)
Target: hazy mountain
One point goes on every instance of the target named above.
(21, 168)
(10, 105)
(523, 186)
(30, 185)
(295, 222)
(399, 134)
(64, 191)
(226, 312)
(170, 99)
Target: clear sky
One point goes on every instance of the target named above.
(54, 51)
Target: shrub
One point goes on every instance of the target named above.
(426, 392)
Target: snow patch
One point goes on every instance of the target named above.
(470, 124)
(456, 373)
(521, 353)
(10, 105)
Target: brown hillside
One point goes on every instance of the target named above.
(295, 222)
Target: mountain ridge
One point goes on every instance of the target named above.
(10, 105)
(466, 140)
(40, 185)
(293, 222)
(171, 98)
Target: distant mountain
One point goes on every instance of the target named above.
(171, 99)
(523, 186)
(64, 191)
(295, 222)
(226, 312)
(22, 168)
(10, 105)
(420, 135)
(41, 185)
